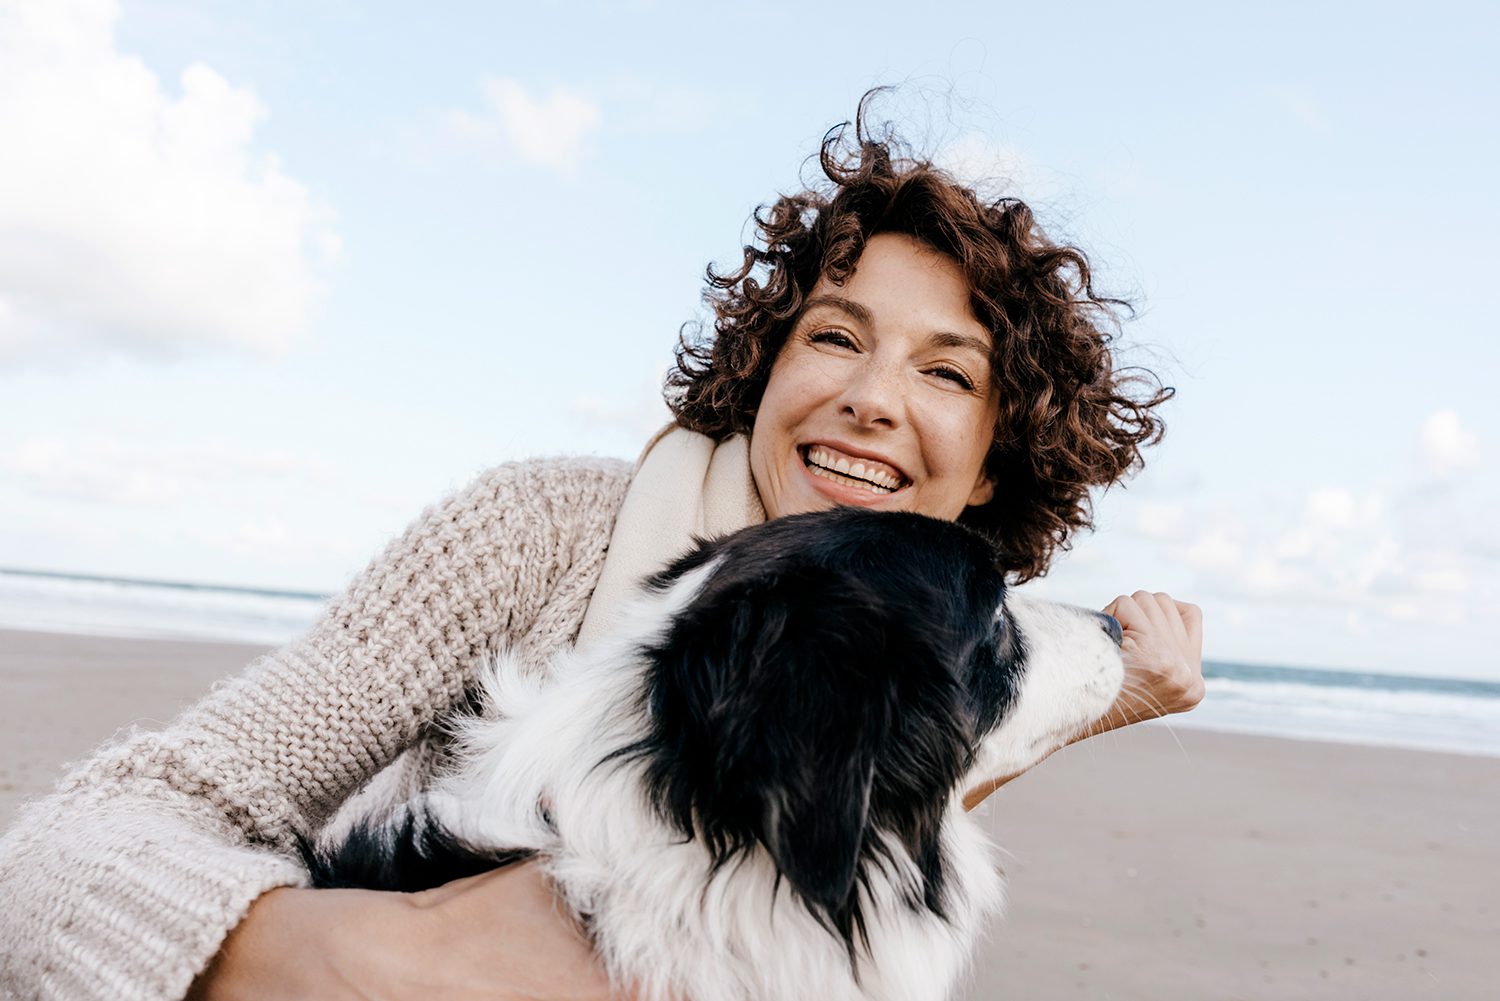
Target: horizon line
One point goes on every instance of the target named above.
(178, 584)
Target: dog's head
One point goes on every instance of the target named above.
(839, 677)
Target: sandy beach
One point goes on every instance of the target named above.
(1151, 864)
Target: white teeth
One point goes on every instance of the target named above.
(839, 469)
(827, 474)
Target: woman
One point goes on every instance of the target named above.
(898, 345)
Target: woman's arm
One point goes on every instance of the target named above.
(124, 882)
(500, 936)
(1162, 648)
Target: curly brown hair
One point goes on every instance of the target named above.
(1069, 419)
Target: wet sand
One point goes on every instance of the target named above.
(1149, 864)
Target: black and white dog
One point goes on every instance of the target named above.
(752, 792)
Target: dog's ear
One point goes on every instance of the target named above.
(772, 703)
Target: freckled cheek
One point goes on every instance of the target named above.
(953, 439)
(823, 371)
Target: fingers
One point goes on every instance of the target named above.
(1157, 610)
(1192, 618)
(1163, 612)
(1139, 613)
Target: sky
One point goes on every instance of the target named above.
(275, 276)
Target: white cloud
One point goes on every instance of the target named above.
(174, 510)
(135, 218)
(1442, 580)
(1217, 548)
(1331, 507)
(267, 538)
(1157, 520)
(549, 131)
(1413, 549)
(1446, 446)
(1339, 549)
(121, 472)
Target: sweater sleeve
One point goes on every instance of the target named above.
(124, 881)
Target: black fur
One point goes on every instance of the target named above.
(414, 854)
(827, 685)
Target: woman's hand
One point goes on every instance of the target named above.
(1162, 647)
(498, 936)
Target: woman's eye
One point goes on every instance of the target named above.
(835, 337)
(954, 376)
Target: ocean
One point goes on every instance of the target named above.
(1391, 710)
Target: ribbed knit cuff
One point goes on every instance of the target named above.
(125, 905)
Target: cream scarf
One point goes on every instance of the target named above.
(685, 485)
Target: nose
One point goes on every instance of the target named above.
(873, 397)
(1110, 625)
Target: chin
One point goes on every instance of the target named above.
(753, 790)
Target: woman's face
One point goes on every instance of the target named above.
(882, 396)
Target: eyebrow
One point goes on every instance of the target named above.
(941, 338)
(948, 339)
(854, 309)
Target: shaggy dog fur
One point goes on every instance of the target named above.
(753, 791)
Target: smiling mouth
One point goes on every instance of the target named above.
(874, 477)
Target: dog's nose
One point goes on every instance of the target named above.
(1111, 625)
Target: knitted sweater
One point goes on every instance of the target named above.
(122, 884)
